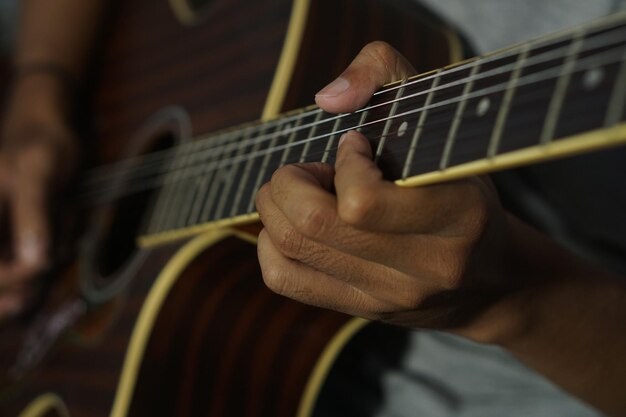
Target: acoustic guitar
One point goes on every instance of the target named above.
(164, 311)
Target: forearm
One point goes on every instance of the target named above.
(574, 325)
(55, 41)
(58, 32)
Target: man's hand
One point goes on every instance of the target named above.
(346, 239)
(37, 155)
(444, 256)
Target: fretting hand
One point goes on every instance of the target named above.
(344, 238)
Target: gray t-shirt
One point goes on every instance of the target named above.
(493, 24)
(8, 25)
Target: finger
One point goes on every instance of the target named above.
(302, 283)
(11, 271)
(395, 270)
(29, 201)
(301, 191)
(376, 65)
(297, 210)
(369, 202)
(13, 300)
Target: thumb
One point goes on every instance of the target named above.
(376, 65)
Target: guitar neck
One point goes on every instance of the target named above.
(552, 97)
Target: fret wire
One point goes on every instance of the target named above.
(494, 141)
(178, 207)
(244, 179)
(361, 121)
(264, 166)
(394, 107)
(484, 59)
(186, 209)
(158, 213)
(419, 128)
(196, 209)
(207, 204)
(456, 121)
(206, 173)
(209, 197)
(219, 212)
(617, 102)
(331, 139)
(287, 149)
(307, 145)
(163, 204)
(563, 80)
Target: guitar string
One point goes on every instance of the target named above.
(610, 24)
(232, 146)
(468, 134)
(215, 139)
(223, 163)
(534, 78)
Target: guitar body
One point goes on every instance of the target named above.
(188, 328)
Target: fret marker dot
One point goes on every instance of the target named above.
(287, 129)
(593, 78)
(483, 106)
(402, 129)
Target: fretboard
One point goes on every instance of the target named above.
(548, 98)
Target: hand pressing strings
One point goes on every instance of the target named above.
(344, 238)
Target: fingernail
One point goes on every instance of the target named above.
(342, 139)
(31, 249)
(335, 88)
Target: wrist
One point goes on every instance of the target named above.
(46, 86)
(39, 111)
(530, 265)
(574, 336)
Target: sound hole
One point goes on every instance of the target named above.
(127, 218)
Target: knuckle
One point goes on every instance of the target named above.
(386, 55)
(453, 269)
(313, 222)
(384, 314)
(281, 182)
(477, 217)
(411, 299)
(357, 206)
(283, 173)
(260, 197)
(276, 280)
(381, 51)
(290, 243)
